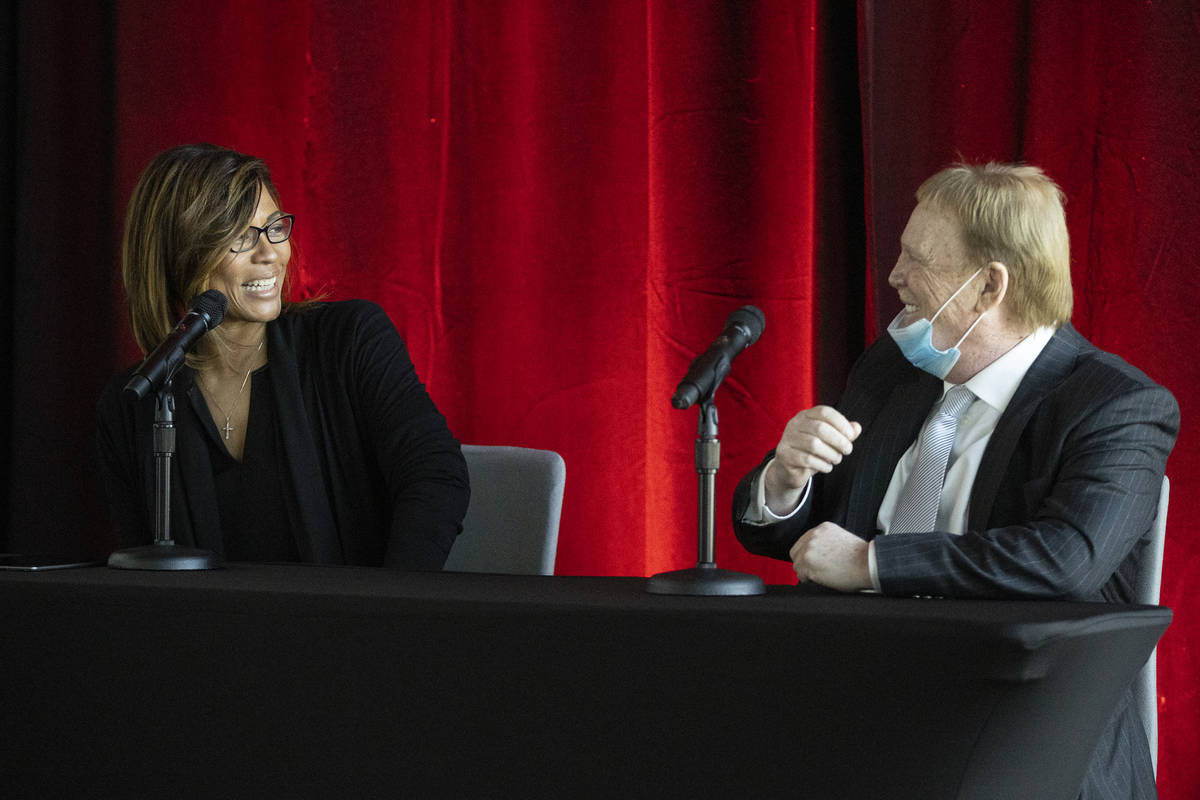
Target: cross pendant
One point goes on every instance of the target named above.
(227, 429)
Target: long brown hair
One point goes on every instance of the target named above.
(188, 206)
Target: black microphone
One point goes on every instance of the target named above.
(742, 329)
(206, 313)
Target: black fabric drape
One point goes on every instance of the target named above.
(60, 286)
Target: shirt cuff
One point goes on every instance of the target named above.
(873, 566)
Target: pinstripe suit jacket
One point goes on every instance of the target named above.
(1061, 507)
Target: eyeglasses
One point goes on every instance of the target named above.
(277, 233)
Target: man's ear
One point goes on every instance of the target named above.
(995, 286)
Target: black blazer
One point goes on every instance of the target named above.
(1064, 498)
(373, 475)
(1062, 505)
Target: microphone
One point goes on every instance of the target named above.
(206, 313)
(742, 329)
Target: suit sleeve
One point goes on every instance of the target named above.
(1086, 515)
(772, 540)
(775, 539)
(420, 461)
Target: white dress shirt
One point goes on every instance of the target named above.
(993, 387)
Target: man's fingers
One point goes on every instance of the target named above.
(800, 463)
(818, 451)
(796, 548)
(815, 440)
(839, 428)
(821, 430)
(799, 562)
(831, 556)
(818, 447)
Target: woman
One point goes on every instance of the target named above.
(303, 432)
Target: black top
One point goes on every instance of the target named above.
(251, 498)
(353, 450)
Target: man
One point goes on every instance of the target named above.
(1039, 479)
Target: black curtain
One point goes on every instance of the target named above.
(60, 231)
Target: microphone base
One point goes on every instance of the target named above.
(164, 557)
(705, 580)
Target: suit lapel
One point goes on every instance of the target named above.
(1048, 370)
(894, 427)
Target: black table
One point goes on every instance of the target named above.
(292, 681)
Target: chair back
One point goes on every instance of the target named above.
(1146, 592)
(511, 525)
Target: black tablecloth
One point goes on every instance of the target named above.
(292, 681)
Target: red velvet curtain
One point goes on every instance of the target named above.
(559, 202)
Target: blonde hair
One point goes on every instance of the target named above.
(188, 206)
(1012, 213)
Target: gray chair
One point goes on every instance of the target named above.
(511, 525)
(1149, 579)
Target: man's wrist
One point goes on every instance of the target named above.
(780, 502)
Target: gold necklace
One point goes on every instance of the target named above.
(227, 428)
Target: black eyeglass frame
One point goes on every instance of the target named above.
(258, 233)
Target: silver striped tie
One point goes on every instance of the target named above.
(916, 511)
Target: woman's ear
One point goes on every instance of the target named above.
(995, 286)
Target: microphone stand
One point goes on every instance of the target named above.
(164, 554)
(705, 578)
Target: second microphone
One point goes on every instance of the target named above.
(742, 329)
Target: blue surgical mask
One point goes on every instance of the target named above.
(916, 340)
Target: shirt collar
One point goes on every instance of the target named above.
(996, 383)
